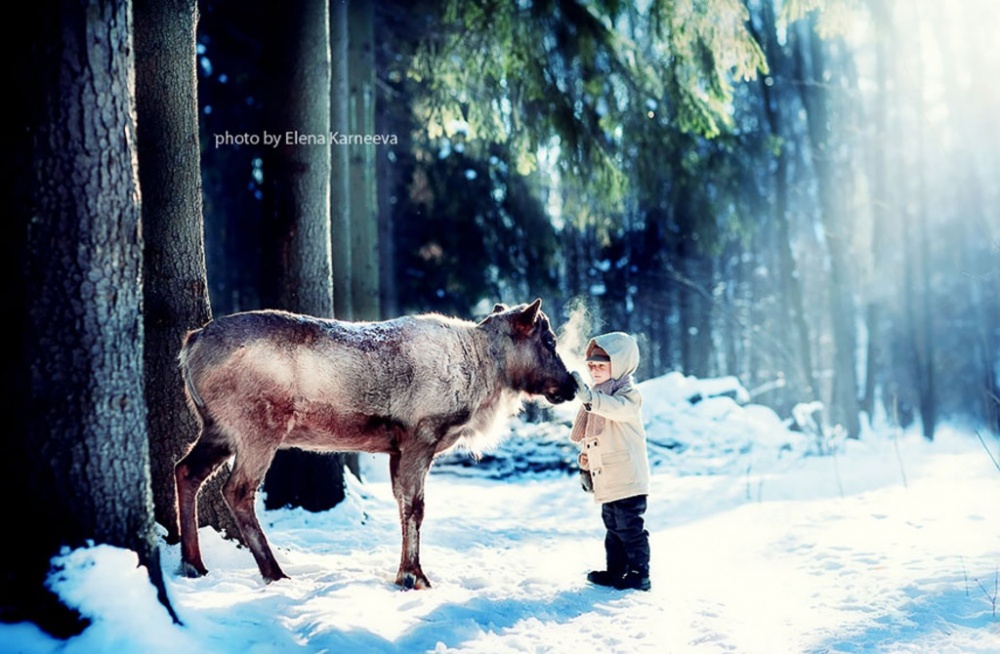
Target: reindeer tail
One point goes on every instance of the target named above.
(190, 342)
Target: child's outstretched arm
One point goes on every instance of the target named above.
(624, 404)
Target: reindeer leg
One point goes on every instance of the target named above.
(209, 452)
(408, 471)
(239, 492)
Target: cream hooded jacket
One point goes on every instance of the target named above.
(613, 439)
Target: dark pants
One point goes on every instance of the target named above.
(627, 542)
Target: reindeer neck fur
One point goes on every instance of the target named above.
(495, 400)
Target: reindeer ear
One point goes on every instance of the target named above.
(526, 319)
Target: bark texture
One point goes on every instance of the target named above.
(77, 459)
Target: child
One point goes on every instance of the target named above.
(610, 432)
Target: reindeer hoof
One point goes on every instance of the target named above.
(272, 572)
(272, 578)
(193, 571)
(412, 581)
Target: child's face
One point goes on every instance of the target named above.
(600, 371)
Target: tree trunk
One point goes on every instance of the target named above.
(76, 460)
(977, 249)
(791, 282)
(923, 324)
(882, 210)
(297, 215)
(297, 171)
(340, 164)
(385, 162)
(980, 246)
(844, 406)
(700, 267)
(364, 210)
(175, 291)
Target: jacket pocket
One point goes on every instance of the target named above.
(617, 469)
(614, 458)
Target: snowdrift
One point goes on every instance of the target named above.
(759, 543)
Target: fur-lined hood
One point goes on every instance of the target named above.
(622, 349)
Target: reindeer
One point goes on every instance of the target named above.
(412, 387)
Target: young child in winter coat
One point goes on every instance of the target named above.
(609, 430)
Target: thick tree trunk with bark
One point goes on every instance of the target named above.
(175, 290)
(297, 215)
(297, 171)
(76, 460)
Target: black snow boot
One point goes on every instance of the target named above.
(604, 578)
(633, 580)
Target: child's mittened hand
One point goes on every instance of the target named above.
(582, 390)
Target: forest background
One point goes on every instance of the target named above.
(800, 194)
(805, 204)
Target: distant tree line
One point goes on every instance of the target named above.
(755, 190)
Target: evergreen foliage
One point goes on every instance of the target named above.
(656, 160)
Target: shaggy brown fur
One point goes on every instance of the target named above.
(411, 387)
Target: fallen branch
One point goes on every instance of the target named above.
(988, 451)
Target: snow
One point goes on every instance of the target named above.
(759, 544)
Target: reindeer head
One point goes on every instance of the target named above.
(525, 346)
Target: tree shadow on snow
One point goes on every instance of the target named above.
(949, 613)
(467, 623)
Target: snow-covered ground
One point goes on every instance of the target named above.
(887, 544)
